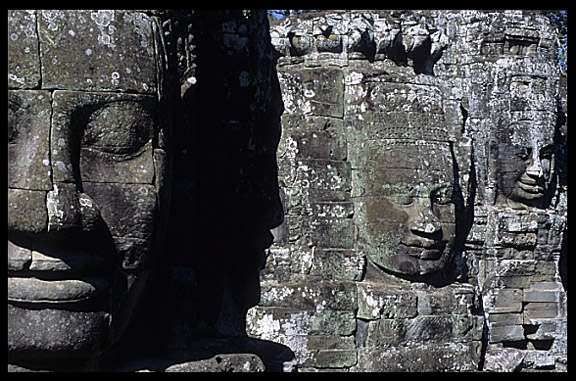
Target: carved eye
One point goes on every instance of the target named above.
(443, 195)
(403, 200)
(524, 153)
(406, 197)
(118, 128)
(547, 152)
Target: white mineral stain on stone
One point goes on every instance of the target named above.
(52, 206)
(61, 166)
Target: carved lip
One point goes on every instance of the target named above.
(52, 259)
(429, 250)
(531, 188)
(54, 274)
(530, 184)
(35, 290)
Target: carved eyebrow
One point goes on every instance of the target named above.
(419, 190)
(549, 149)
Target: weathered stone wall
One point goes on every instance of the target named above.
(377, 100)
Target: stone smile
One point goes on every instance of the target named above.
(531, 188)
(426, 251)
(34, 290)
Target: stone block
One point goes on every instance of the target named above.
(499, 359)
(23, 51)
(504, 300)
(337, 264)
(540, 359)
(377, 300)
(448, 300)
(499, 333)
(467, 327)
(337, 359)
(505, 319)
(546, 286)
(516, 267)
(223, 362)
(333, 322)
(97, 50)
(330, 342)
(536, 311)
(540, 296)
(548, 330)
(323, 175)
(424, 357)
(317, 91)
(333, 233)
(63, 207)
(18, 257)
(310, 296)
(313, 137)
(423, 328)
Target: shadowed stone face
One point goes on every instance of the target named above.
(407, 219)
(86, 174)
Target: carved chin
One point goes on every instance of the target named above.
(56, 331)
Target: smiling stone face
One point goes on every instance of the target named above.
(401, 136)
(524, 161)
(406, 206)
(86, 173)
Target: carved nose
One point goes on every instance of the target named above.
(427, 227)
(535, 168)
(68, 209)
(424, 222)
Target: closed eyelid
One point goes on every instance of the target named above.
(118, 129)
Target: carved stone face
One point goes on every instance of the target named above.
(525, 162)
(85, 182)
(407, 213)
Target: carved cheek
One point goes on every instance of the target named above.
(28, 140)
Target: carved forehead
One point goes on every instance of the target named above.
(405, 154)
(83, 50)
(538, 132)
(395, 164)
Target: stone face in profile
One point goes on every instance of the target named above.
(90, 147)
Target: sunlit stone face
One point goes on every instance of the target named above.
(525, 162)
(86, 174)
(406, 215)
